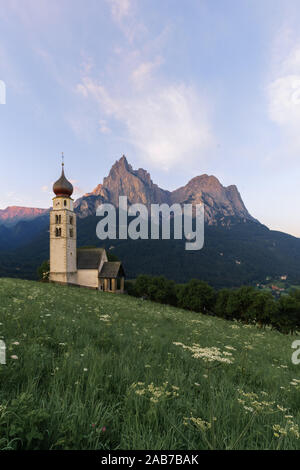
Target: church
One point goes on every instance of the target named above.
(84, 267)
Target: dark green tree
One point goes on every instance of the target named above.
(141, 285)
(198, 296)
(162, 290)
(239, 303)
(288, 314)
(262, 309)
(221, 302)
(43, 271)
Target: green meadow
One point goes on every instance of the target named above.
(92, 370)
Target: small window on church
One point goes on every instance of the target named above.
(71, 220)
(58, 232)
(71, 232)
(65, 202)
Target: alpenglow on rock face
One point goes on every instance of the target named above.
(13, 214)
(221, 203)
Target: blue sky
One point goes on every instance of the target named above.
(181, 87)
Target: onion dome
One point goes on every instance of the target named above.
(63, 187)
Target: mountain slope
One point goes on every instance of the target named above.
(241, 253)
(14, 214)
(237, 249)
(220, 202)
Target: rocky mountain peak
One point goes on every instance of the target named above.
(120, 166)
(123, 180)
(220, 202)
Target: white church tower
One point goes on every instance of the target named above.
(63, 255)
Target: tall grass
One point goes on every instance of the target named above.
(101, 371)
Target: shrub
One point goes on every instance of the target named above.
(43, 271)
(239, 302)
(141, 285)
(221, 302)
(245, 304)
(162, 290)
(130, 288)
(197, 295)
(288, 314)
(157, 288)
(262, 309)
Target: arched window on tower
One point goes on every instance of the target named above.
(58, 232)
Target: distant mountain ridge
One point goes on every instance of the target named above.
(220, 202)
(14, 214)
(237, 248)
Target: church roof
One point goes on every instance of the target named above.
(63, 187)
(89, 258)
(111, 269)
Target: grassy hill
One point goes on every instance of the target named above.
(91, 370)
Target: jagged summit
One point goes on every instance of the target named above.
(220, 202)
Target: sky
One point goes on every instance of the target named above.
(182, 88)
